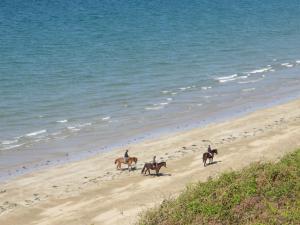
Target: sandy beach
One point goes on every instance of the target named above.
(92, 191)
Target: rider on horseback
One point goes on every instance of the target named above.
(154, 161)
(209, 151)
(126, 156)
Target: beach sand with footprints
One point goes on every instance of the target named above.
(92, 191)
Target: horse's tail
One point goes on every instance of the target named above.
(143, 168)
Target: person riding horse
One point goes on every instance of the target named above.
(209, 151)
(154, 161)
(126, 156)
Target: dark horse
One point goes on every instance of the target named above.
(206, 156)
(150, 166)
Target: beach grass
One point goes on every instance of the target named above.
(263, 193)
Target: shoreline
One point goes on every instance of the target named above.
(63, 159)
(45, 154)
(92, 191)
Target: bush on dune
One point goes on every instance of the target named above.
(266, 193)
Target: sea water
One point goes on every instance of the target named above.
(82, 76)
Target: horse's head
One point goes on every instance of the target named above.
(135, 159)
(164, 164)
(215, 151)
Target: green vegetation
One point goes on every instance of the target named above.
(261, 194)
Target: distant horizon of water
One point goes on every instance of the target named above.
(82, 76)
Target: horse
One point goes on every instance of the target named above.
(129, 162)
(150, 166)
(206, 156)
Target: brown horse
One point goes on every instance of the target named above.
(129, 162)
(150, 166)
(206, 156)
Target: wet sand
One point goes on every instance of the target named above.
(92, 191)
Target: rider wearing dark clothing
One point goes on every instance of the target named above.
(209, 150)
(126, 156)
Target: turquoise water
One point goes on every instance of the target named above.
(82, 75)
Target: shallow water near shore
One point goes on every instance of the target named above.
(84, 77)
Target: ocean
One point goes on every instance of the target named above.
(81, 77)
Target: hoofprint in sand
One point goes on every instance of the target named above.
(92, 191)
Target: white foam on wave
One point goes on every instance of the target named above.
(262, 70)
(248, 89)
(205, 88)
(165, 92)
(185, 88)
(12, 146)
(61, 121)
(164, 103)
(287, 64)
(199, 104)
(173, 93)
(227, 78)
(298, 61)
(169, 99)
(9, 142)
(35, 133)
(78, 127)
(72, 128)
(161, 104)
(154, 108)
(106, 118)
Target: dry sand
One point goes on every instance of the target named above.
(92, 191)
